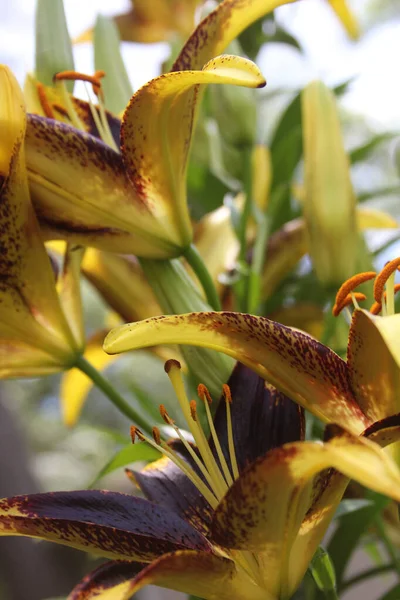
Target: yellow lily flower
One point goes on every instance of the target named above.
(135, 202)
(239, 515)
(355, 394)
(153, 22)
(346, 17)
(41, 328)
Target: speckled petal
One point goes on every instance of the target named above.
(302, 368)
(156, 134)
(374, 363)
(205, 575)
(384, 432)
(110, 581)
(264, 509)
(81, 192)
(108, 524)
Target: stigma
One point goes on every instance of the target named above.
(384, 292)
(213, 474)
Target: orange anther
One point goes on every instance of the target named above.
(132, 432)
(76, 76)
(377, 306)
(358, 296)
(164, 415)
(203, 393)
(156, 435)
(193, 409)
(60, 109)
(45, 104)
(226, 390)
(350, 284)
(383, 276)
(170, 364)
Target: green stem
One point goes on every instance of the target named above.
(109, 391)
(196, 262)
(241, 287)
(390, 549)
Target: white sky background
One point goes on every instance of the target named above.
(329, 55)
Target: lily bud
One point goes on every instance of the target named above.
(235, 110)
(329, 203)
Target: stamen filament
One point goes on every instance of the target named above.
(184, 467)
(383, 276)
(231, 445)
(75, 120)
(390, 295)
(221, 457)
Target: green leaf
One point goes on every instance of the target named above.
(362, 152)
(323, 572)
(53, 52)
(350, 506)
(107, 57)
(129, 454)
(385, 191)
(349, 532)
(393, 594)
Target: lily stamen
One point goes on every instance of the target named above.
(386, 278)
(349, 286)
(204, 395)
(377, 306)
(352, 298)
(163, 447)
(232, 454)
(44, 102)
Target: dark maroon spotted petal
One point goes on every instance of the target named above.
(262, 417)
(113, 525)
(114, 575)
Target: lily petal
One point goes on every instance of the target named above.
(21, 360)
(302, 368)
(374, 363)
(108, 524)
(30, 311)
(262, 417)
(384, 432)
(156, 131)
(69, 291)
(110, 581)
(265, 507)
(346, 17)
(204, 575)
(75, 385)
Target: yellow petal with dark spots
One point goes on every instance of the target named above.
(374, 363)
(302, 368)
(156, 133)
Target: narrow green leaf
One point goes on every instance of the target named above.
(362, 152)
(385, 191)
(107, 57)
(393, 594)
(128, 454)
(53, 51)
(350, 506)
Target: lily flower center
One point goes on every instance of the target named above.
(385, 289)
(67, 109)
(218, 474)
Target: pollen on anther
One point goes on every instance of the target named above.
(164, 415)
(203, 393)
(226, 390)
(376, 307)
(47, 108)
(383, 276)
(170, 364)
(193, 409)
(156, 435)
(133, 432)
(350, 284)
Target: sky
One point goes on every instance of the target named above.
(328, 54)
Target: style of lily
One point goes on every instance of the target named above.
(41, 329)
(132, 199)
(356, 394)
(236, 517)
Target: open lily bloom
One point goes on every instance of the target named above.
(41, 328)
(237, 516)
(354, 394)
(134, 201)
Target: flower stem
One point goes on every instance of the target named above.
(108, 390)
(196, 262)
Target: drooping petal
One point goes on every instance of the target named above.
(302, 368)
(30, 311)
(156, 133)
(374, 363)
(262, 417)
(265, 507)
(81, 192)
(121, 283)
(108, 524)
(384, 432)
(75, 385)
(110, 581)
(69, 291)
(205, 575)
